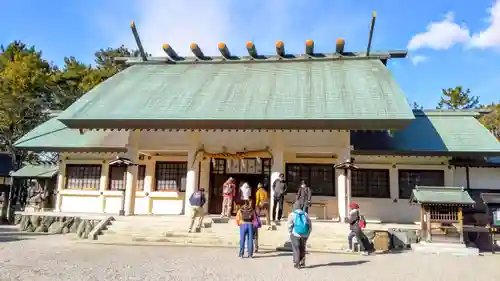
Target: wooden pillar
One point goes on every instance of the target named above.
(423, 228)
(461, 224)
(428, 225)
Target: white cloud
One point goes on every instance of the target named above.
(490, 37)
(418, 59)
(444, 34)
(182, 22)
(440, 35)
(176, 22)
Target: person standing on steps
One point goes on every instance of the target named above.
(245, 192)
(304, 196)
(299, 228)
(246, 219)
(279, 189)
(197, 201)
(355, 222)
(262, 204)
(228, 193)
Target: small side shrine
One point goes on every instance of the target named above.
(40, 182)
(492, 203)
(441, 218)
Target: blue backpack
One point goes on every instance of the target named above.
(300, 225)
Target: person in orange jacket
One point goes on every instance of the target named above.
(246, 218)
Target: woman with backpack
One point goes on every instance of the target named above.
(246, 218)
(299, 227)
(228, 193)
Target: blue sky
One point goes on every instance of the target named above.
(450, 43)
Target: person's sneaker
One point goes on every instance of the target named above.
(250, 256)
(240, 256)
(189, 231)
(302, 263)
(365, 253)
(296, 265)
(349, 251)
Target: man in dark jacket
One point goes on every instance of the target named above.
(304, 196)
(197, 201)
(279, 190)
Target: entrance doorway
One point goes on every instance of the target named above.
(251, 170)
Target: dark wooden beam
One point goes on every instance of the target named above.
(138, 41)
(372, 27)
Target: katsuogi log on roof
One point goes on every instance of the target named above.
(317, 91)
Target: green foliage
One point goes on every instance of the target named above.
(457, 98)
(24, 93)
(415, 105)
(30, 87)
(492, 119)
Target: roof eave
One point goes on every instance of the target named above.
(89, 149)
(424, 153)
(201, 124)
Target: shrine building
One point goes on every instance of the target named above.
(190, 122)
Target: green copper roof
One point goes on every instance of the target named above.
(432, 133)
(55, 136)
(334, 93)
(36, 171)
(441, 195)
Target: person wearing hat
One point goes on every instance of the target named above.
(262, 203)
(228, 194)
(354, 220)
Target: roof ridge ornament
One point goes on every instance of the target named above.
(370, 37)
(138, 41)
(280, 53)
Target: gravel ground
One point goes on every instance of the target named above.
(40, 258)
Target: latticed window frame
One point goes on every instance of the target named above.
(367, 183)
(170, 171)
(297, 172)
(89, 176)
(141, 176)
(406, 175)
(116, 184)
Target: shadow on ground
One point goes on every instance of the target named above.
(271, 254)
(11, 234)
(342, 263)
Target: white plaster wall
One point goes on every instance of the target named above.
(142, 206)
(167, 207)
(480, 178)
(394, 209)
(85, 204)
(112, 205)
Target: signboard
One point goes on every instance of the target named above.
(496, 217)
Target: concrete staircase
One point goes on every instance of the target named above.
(172, 230)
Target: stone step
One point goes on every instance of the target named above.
(316, 245)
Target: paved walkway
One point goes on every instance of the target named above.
(39, 258)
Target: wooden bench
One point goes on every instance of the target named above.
(313, 204)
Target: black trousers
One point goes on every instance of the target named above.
(278, 203)
(298, 248)
(362, 240)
